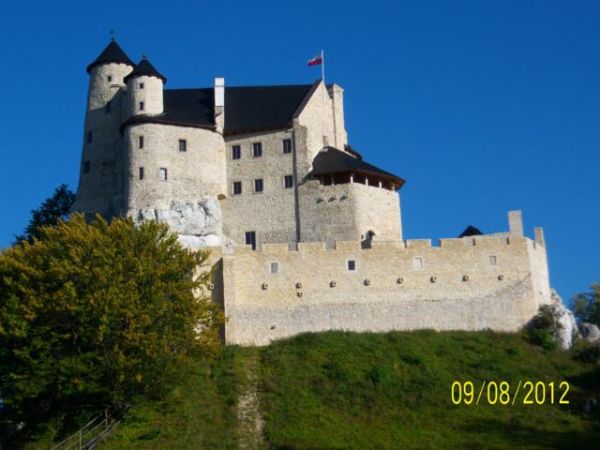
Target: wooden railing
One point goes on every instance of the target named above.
(92, 432)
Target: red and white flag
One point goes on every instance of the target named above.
(316, 60)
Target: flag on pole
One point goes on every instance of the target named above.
(316, 60)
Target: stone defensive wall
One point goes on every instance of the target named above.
(471, 283)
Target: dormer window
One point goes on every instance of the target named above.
(141, 106)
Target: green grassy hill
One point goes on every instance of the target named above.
(344, 390)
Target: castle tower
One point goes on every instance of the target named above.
(145, 90)
(100, 179)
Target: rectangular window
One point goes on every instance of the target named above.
(287, 146)
(236, 152)
(86, 167)
(141, 85)
(89, 137)
(258, 185)
(417, 263)
(141, 106)
(141, 173)
(493, 261)
(141, 142)
(237, 187)
(251, 239)
(351, 264)
(108, 106)
(109, 78)
(162, 174)
(257, 149)
(288, 181)
(182, 145)
(274, 266)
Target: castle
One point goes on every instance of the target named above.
(305, 235)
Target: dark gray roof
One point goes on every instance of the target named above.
(111, 54)
(262, 107)
(331, 160)
(247, 109)
(470, 231)
(144, 68)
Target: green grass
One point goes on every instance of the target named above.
(343, 390)
(198, 414)
(340, 390)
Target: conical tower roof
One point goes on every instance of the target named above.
(145, 68)
(111, 54)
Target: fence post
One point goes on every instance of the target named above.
(80, 439)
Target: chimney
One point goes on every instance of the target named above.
(220, 103)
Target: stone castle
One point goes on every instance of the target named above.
(305, 235)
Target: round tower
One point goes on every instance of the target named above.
(145, 90)
(100, 185)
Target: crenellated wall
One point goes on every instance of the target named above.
(467, 284)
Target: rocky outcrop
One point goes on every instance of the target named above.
(199, 223)
(566, 326)
(589, 332)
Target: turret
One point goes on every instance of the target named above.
(145, 89)
(99, 182)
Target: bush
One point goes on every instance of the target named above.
(543, 328)
(94, 313)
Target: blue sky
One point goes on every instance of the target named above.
(481, 106)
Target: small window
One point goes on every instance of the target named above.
(141, 85)
(141, 106)
(89, 137)
(288, 181)
(236, 152)
(287, 146)
(251, 239)
(182, 145)
(417, 263)
(141, 142)
(108, 108)
(109, 78)
(141, 173)
(87, 167)
(351, 264)
(257, 149)
(493, 261)
(237, 187)
(274, 266)
(162, 174)
(258, 185)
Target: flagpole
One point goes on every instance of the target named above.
(323, 66)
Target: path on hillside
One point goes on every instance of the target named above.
(250, 420)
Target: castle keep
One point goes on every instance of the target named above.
(305, 234)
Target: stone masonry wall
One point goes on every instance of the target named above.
(269, 213)
(466, 284)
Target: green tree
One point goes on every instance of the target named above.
(94, 313)
(52, 210)
(587, 305)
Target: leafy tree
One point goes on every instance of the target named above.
(52, 210)
(587, 305)
(94, 313)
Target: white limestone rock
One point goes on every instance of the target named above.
(589, 332)
(567, 326)
(198, 224)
